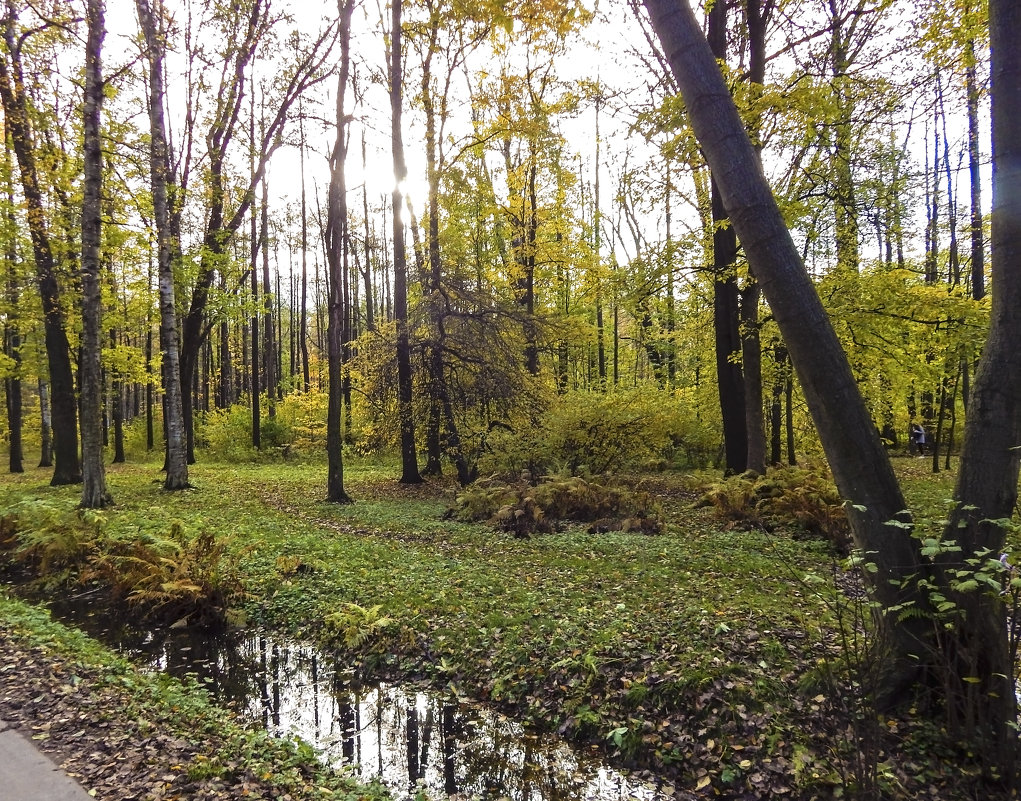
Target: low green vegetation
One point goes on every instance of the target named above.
(703, 651)
(203, 751)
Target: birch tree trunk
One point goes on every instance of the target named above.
(177, 444)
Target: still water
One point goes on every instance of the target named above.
(407, 738)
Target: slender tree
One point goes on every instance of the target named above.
(12, 330)
(727, 299)
(336, 232)
(94, 491)
(159, 164)
(409, 458)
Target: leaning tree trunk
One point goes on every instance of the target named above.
(94, 492)
(177, 445)
(58, 350)
(852, 445)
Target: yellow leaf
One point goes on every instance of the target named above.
(704, 782)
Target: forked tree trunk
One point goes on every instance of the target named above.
(973, 653)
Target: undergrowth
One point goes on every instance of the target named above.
(682, 653)
(164, 576)
(803, 498)
(523, 508)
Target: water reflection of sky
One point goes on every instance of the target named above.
(408, 738)
(405, 737)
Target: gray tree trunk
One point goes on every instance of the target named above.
(177, 445)
(852, 445)
(409, 458)
(336, 231)
(94, 491)
(986, 491)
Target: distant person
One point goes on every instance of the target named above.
(918, 437)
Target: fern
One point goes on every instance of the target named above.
(355, 624)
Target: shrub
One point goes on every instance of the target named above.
(588, 433)
(170, 577)
(523, 509)
(163, 576)
(802, 497)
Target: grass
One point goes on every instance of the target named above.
(648, 645)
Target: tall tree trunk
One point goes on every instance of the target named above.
(978, 266)
(336, 230)
(757, 13)
(119, 400)
(253, 276)
(267, 316)
(12, 332)
(726, 300)
(852, 445)
(409, 458)
(303, 312)
(173, 400)
(58, 352)
(986, 491)
(94, 491)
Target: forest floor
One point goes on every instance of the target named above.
(708, 654)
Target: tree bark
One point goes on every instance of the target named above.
(986, 491)
(726, 300)
(174, 394)
(12, 332)
(64, 406)
(978, 269)
(336, 230)
(849, 438)
(94, 491)
(409, 458)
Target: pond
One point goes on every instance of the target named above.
(407, 738)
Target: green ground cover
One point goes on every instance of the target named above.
(702, 651)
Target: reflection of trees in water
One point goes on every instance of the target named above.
(404, 737)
